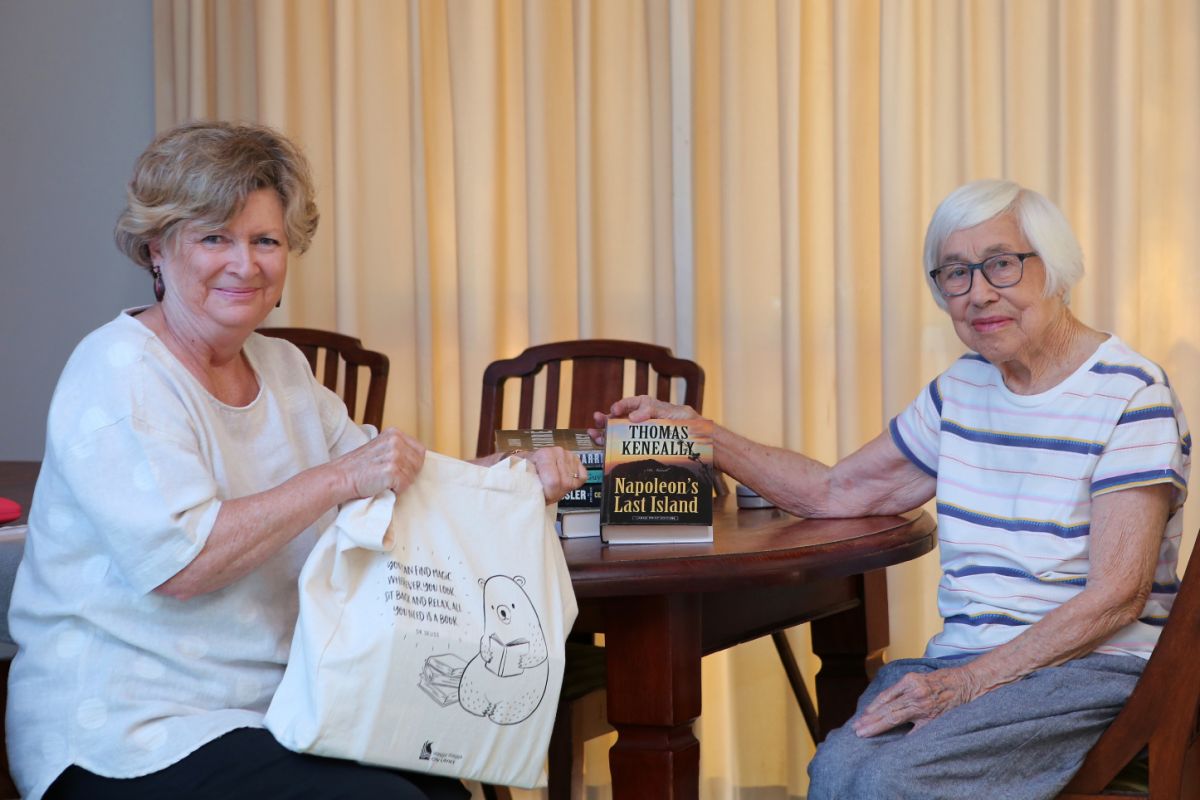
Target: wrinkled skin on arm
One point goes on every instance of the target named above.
(876, 479)
(249, 530)
(1127, 529)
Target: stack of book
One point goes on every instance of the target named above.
(579, 510)
(441, 676)
(658, 482)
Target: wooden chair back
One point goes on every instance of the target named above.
(1161, 715)
(598, 379)
(336, 360)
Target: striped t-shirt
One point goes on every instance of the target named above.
(1016, 475)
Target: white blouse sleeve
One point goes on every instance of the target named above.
(149, 496)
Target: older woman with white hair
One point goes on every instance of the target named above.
(1059, 459)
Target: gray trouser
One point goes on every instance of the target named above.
(1022, 740)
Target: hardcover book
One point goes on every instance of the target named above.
(658, 482)
(574, 440)
(575, 523)
(506, 656)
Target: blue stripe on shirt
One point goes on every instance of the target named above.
(1078, 580)
(990, 618)
(1012, 524)
(935, 394)
(1011, 572)
(1101, 368)
(903, 448)
(1063, 445)
(1148, 412)
(1140, 478)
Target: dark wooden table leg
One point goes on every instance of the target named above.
(850, 645)
(653, 660)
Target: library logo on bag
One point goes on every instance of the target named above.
(437, 756)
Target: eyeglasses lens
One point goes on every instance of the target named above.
(1001, 271)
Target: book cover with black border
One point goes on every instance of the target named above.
(658, 481)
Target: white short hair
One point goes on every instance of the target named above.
(1040, 221)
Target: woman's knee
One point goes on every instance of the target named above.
(837, 760)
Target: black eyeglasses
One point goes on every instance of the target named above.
(1001, 271)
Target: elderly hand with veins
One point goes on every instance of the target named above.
(918, 698)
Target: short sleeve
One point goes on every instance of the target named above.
(1150, 444)
(916, 430)
(149, 495)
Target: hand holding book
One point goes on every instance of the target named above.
(639, 409)
(658, 481)
(560, 472)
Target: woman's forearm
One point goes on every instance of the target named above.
(792, 481)
(875, 479)
(1126, 532)
(1072, 630)
(249, 530)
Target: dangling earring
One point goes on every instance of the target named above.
(160, 291)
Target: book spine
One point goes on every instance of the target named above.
(590, 494)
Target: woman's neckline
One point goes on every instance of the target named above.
(1062, 385)
(177, 363)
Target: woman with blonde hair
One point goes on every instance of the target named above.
(190, 465)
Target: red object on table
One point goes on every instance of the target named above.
(9, 509)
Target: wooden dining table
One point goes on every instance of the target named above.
(662, 607)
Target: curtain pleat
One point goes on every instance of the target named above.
(748, 182)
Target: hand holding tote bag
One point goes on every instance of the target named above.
(431, 637)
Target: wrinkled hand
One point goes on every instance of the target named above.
(389, 461)
(639, 409)
(559, 471)
(918, 698)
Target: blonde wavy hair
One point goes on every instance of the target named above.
(202, 172)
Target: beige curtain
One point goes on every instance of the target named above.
(745, 181)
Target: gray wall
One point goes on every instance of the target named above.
(76, 108)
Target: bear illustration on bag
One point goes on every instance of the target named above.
(506, 680)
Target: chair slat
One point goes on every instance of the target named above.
(641, 378)
(525, 411)
(553, 377)
(331, 371)
(341, 351)
(596, 384)
(310, 352)
(350, 390)
(663, 388)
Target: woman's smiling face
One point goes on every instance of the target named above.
(231, 276)
(1002, 325)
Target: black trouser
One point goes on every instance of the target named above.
(248, 763)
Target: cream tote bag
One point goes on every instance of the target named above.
(431, 636)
